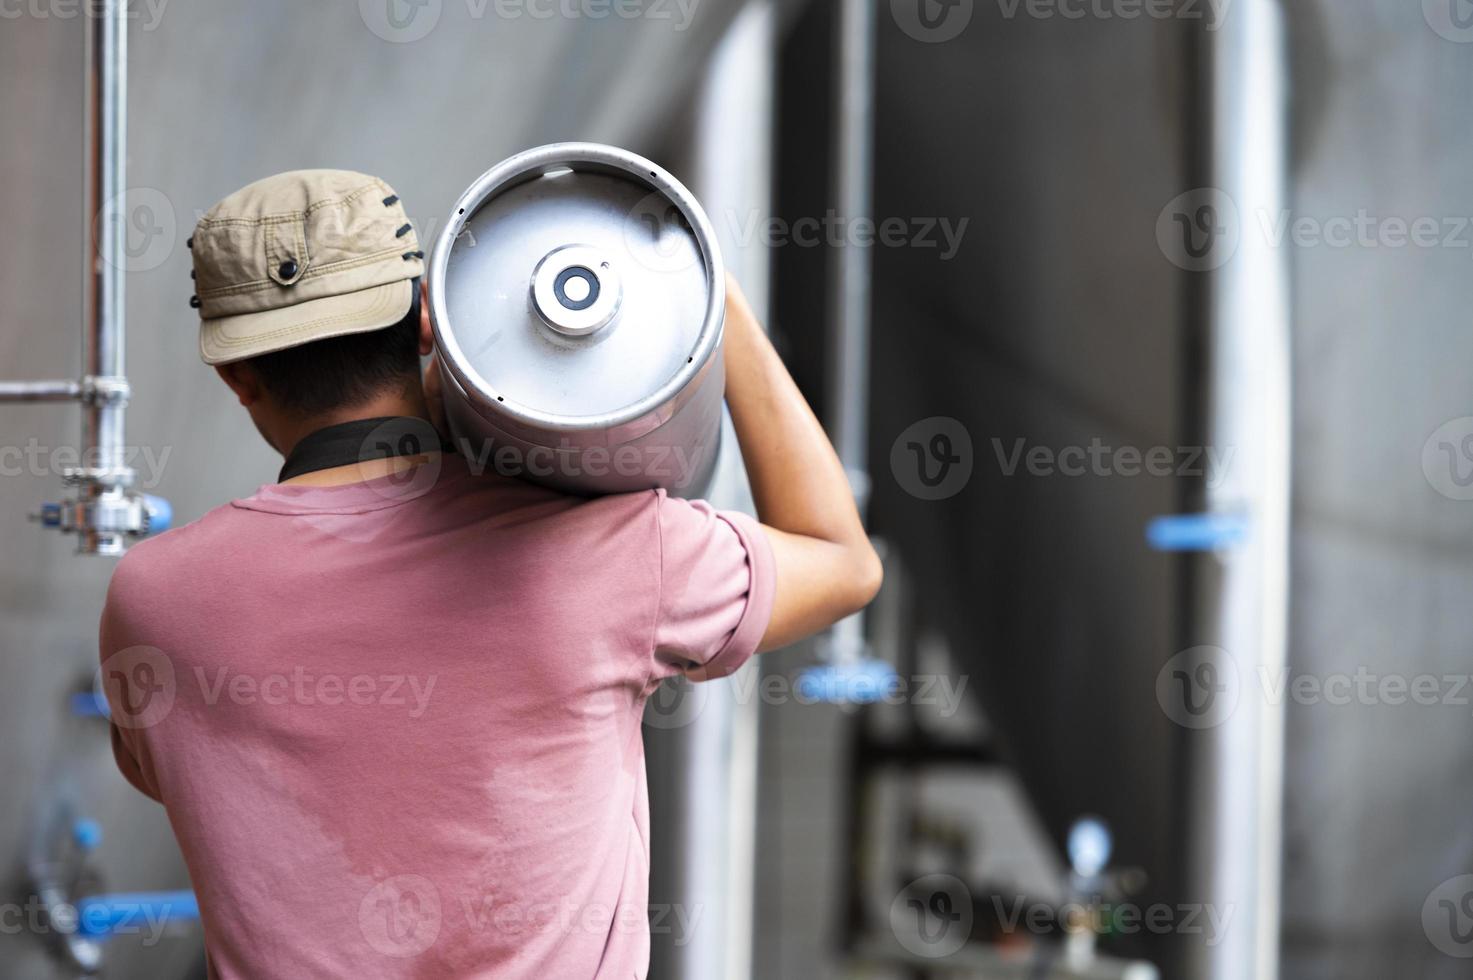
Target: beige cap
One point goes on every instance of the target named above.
(298, 257)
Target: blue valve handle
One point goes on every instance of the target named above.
(160, 513)
(86, 833)
(100, 916)
(862, 682)
(1197, 532)
(86, 704)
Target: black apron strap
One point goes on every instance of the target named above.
(359, 441)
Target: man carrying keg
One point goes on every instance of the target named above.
(392, 705)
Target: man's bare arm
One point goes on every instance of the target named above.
(826, 567)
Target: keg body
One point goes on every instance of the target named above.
(578, 298)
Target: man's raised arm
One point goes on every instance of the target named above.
(826, 566)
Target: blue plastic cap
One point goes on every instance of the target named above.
(160, 513)
(86, 833)
(105, 915)
(87, 704)
(863, 682)
(51, 515)
(1197, 532)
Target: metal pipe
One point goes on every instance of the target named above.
(105, 512)
(104, 296)
(849, 281)
(1236, 768)
(40, 391)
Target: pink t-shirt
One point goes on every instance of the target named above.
(396, 725)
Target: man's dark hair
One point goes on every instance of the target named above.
(342, 371)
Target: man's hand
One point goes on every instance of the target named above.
(826, 566)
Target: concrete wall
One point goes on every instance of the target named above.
(1379, 793)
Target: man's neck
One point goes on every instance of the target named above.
(289, 432)
(397, 404)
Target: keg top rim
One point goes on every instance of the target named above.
(599, 158)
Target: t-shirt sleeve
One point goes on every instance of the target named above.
(716, 589)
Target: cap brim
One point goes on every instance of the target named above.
(234, 338)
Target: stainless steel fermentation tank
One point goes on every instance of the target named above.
(578, 300)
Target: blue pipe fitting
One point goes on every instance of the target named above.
(861, 682)
(1197, 532)
(160, 513)
(101, 916)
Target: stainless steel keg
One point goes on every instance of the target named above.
(578, 299)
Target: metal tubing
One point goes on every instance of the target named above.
(40, 391)
(103, 287)
(849, 279)
(849, 285)
(1236, 768)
